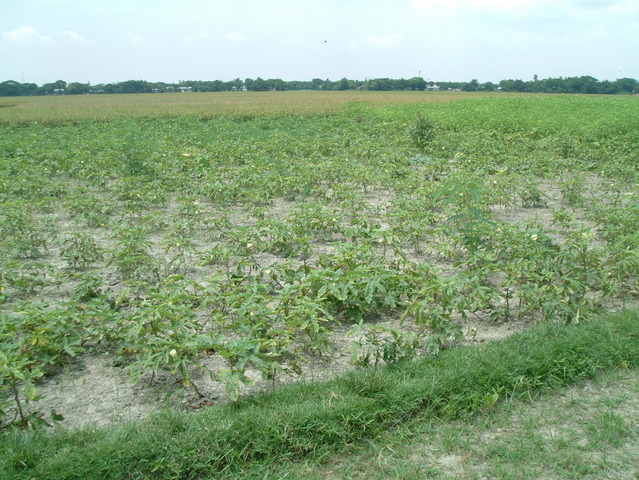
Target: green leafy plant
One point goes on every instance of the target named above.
(358, 284)
(33, 341)
(376, 343)
(303, 309)
(80, 250)
(131, 256)
(23, 235)
(573, 190)
(161, 332)
(89, 209)
(433, 307)
(422, 131)
(19, 375)
(532, 196)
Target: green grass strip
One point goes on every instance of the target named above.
(312, 420)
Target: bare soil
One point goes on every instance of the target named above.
(95, 392)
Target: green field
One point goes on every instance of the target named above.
(229, 239)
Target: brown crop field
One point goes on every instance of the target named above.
(104, 107)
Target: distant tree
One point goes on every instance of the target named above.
(471, 86)
(10, 88)
(298, 85)
(109, 88)
(555, 85)
(450, 85)
(343, 84)
(76, 88)
(214, 86)
(29, 89)
(487, 87)
(539, 86)
(276, 84)
(416, 83)
(627, 85)
(50, 88)
(395, 84)
(259, 85)
(589, 85)
(162, 87)
(134, 86)
(583, 84)
(380, 84)
(572, 85)
(236, 84)
(607, 87)
(513, 86)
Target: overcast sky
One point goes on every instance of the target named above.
(104, 41)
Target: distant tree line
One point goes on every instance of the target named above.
(583, 84)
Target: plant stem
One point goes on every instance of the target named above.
(16, 395)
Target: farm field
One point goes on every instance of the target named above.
(198, 246)
(206, 105)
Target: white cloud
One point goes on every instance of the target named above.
(509, 7)
(520, 6)
(491, 4)
(135, 40)
(385, 41)
(505, 4)
(78, 38)
(25, 35)
(297, 42)
(596, 3)
(352, 46)
(199, 38)
(236, 37)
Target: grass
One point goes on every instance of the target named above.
(310, 422)
(587, 431)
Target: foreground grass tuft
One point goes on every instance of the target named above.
(313, 420)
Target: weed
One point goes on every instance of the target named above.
(422, 131)
(80, 250)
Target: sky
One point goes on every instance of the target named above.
(108, 41)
